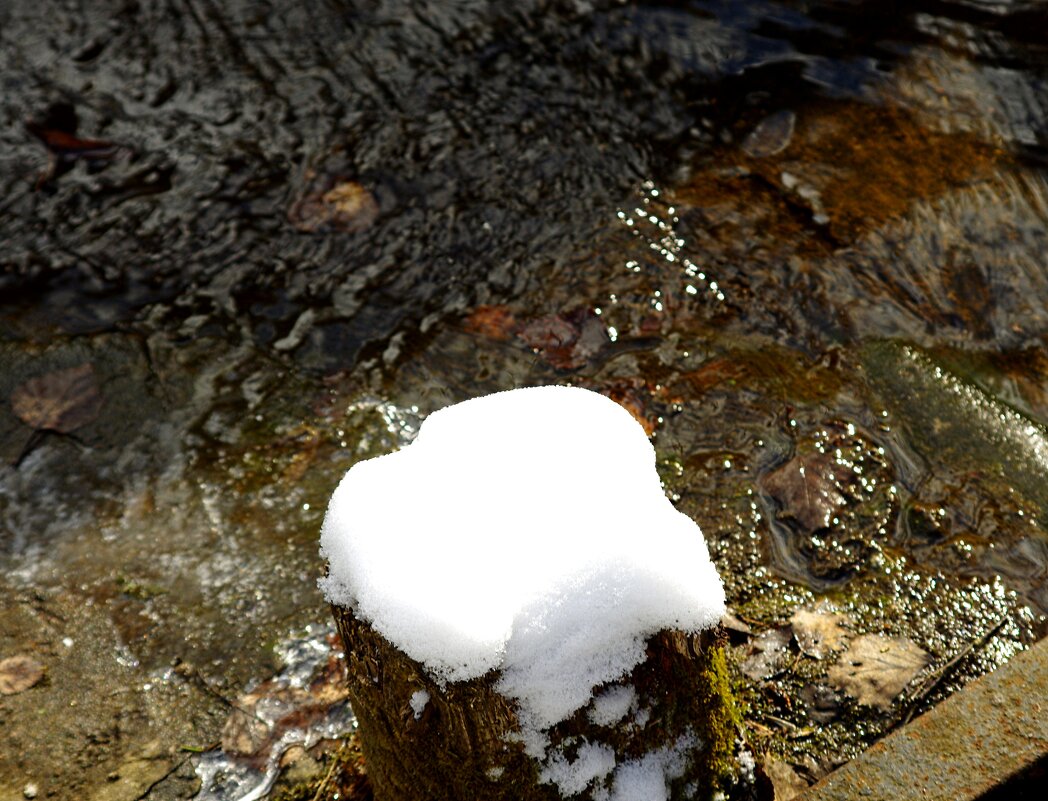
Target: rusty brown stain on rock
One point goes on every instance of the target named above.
(856, 164)
(881, 160)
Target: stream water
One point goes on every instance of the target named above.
(803, 242)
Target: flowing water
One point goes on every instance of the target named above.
(804, 243)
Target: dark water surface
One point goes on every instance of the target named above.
(804, 243)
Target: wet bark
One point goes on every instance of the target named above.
(462, 745)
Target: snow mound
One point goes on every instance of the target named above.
(525, 532)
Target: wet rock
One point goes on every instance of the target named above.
(100, 718)
(481, 174)
(862, 166)
(952, 421)
(133, 778)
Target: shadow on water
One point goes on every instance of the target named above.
(247, 246)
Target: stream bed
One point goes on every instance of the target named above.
(247, 244)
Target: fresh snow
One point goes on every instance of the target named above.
(418, 702)
(593, 761)
(525, 532)
(648, 778)
(612, 704)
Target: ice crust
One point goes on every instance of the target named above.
(525, 532)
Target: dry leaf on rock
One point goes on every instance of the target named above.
(876, 668)
(19, 673)
(62, 400)
(784, 780)
(732, 623)
(819, 633)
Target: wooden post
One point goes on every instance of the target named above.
(462, 745)
(526, 617)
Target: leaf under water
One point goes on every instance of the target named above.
(807, 489)
(60, 401)
(19, 673)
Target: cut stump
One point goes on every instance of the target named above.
(461, 741)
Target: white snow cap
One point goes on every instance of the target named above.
(525, 531)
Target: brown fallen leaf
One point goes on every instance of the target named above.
(633, 395)
(732, 623)
(807, 488)
(333, 202)
(352, 206)
(819, 632)
(876, 668)
(62, 143)
(61, 401)
(784, 780)
(19, 673)
(567, 341)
